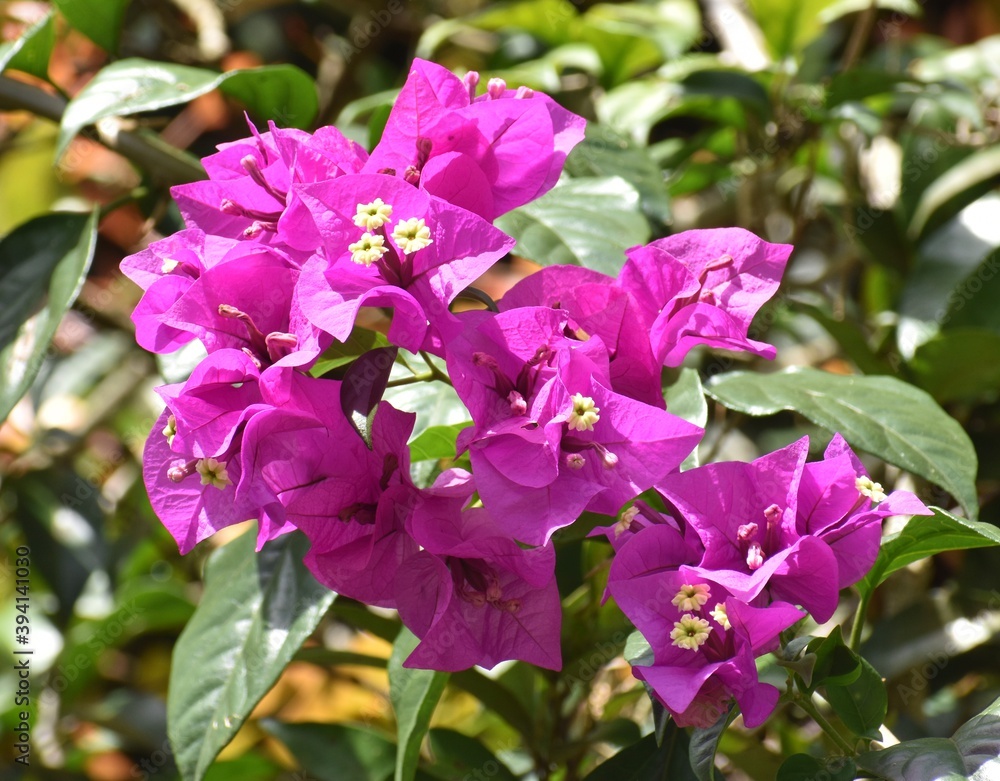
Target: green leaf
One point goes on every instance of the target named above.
(30, 53)
(972, 304)
(459, 756)
(962, 184)
(361, 391)
(589, 222)
(647, 761)
(53, 250)
(925, 536)
(101, 22)
(959, 365)
(255, 612)
(835, 663)
(435, 403)
(882, 415)
(283, 93)
(605, 152)
(972, 754)
(340, 354)
(862, 704)
(436, 442)
(414, 695)
(686, 399)
(333, 752)
(705, 745)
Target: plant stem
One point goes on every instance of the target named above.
(162, 161)
(435, 372)
(859, 622)
(803, 701)
(859, 36)
(421, 377)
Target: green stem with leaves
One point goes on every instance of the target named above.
(804, 701)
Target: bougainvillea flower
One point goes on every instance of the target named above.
(473, 595)
(389, 244)
(550, 438)
(598, 307)
(250, 180)
(307, 467)
(221, 394)
(704, 641)
(488, 154)
(165, 270)
(759, 541)
(193, 497)
(247, 303)
(703, 287)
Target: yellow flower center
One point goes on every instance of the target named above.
(367, 249)
(584, 415)
(867, 487)
(213, 472)
(412, 235)
(690, 632)
(721, 617)
(170, 430)
(692, 597)
(372, 216)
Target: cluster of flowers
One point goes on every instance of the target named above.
(713, 582)
(294, 233)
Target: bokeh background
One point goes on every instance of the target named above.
(864, 133)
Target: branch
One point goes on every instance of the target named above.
(165, 163)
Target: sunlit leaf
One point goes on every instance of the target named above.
(925, 536)
(31, 51)
(101, 22)
(279, 92)
(414, 695)
(255, 612)
(885, 416)
(584, 222)
(54, 252)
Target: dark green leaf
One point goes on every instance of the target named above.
(458, 756)
(256, 610)
(972, 304)
(835, 663)
(924, 536)
(959, 365)
(962, 184)
(334, 752)
(30, 53)
(704, 746)
(414, 695)
(605, 152)
(861, 704)
(583, 222)
(647, 761)
(101, 22)
(436, 442)
(279, 92)
(972, 754)
(882, 415)
(61, 246)
(364, 383)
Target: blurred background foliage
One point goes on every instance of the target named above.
(863, 132)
